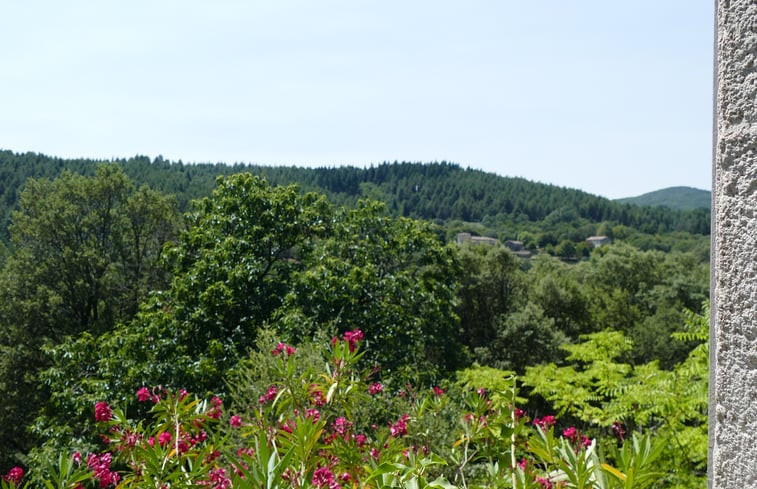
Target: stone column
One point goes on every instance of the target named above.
(733, 330)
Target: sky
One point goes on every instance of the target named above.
(614, 98)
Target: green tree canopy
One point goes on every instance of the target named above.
(84, 254)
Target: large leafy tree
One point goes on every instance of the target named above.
(230, 267)
(492, 286)
(253, 256)
(84, 254)
(391, 277)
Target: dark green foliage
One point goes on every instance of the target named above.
(254, 255)
(641, 293)
(491, 286)
(84, 255)
(434, 191)
(392, 278)
(523, 338)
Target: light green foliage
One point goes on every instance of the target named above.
(599, 389)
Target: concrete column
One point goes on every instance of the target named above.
(733, 330)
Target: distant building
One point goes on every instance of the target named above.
(463, 238)
(515, 245)
(597, 241)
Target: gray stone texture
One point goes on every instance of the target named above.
(733, 342)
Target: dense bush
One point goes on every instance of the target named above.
(302, 432)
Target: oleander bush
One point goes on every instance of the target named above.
(334, 423)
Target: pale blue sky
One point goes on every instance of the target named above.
(611, 97)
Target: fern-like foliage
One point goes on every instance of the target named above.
(600, 390)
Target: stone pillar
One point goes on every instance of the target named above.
(733, 330)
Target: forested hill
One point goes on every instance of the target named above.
(436, 191)
(681, 198)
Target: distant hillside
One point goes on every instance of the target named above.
(438, 191)
(678, 198)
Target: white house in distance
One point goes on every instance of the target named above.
(463, 238)
(597, 241)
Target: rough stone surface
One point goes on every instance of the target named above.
(733, 343)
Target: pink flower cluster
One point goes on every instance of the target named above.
(571, 434)
(144, 394)
(400, 427)
(316, 396)
(351, 337)
(270, 395)
(217, 479)
(100, 465)
(14, 475)
(283, 348)
(323, 477)
(103, 413)
(215, 411)
(375, 388)
(545, 483)
(546, 422)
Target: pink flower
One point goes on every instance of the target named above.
(341, 425)
(519, 413)
(143, 394)
(182, 394)
(375, 453)
(438, 391)
(585, 441)
(481, 391)
(100, 465)
(103, 412)
(288, 425)
(77, 457)
(316, 396)
(283, 348)
(270, 394)
(546, 422)
(360, 439)
(545, 483)
(14, 475)
(217, 479)
(375, 388)
(400, 427)
(313, 415)
(323, 477)
(246, 451)
(235, 421)
(571, 434)
(164, 438)
(352, 337)
(215, 411)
